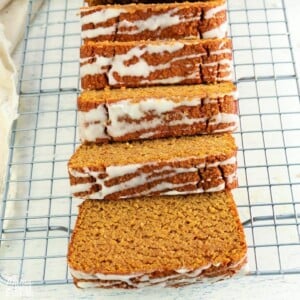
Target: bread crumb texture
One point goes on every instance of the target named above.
(157, 234)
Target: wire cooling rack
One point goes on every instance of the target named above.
(37, 210)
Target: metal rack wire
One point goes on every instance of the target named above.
(37, 211)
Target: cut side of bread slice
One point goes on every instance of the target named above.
(171, 166)
(166, 241)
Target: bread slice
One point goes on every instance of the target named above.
(147, 63)
(185, 165)
(167, 241)
(135, 22)
(156, 112)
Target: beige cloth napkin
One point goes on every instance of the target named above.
(12, 24)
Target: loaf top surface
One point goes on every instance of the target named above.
(145, 5)
(210, 148)
(107, 48)
(175, 93)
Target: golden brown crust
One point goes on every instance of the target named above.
(210, 147)
(91, 99)
(158, 236)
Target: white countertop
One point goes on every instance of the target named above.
(259, 288)
(249, 287)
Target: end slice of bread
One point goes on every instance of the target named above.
(170, 241)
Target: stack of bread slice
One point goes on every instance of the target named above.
(157, 160)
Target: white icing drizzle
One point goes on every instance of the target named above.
(213, 11)
(223, 66)
(123, 128)
(154, 22)
(139, 179)
(116, 64)
(116, 126)
(196, 191)
(222, 63)
(99, 66)
(126, 278)
(142, 178)
(92, 33)
(137, 110)
(214, 189)
(229, 161)
(79, 174)
(217, 32)
(102, 15)
(92, 124)
(172, 80)
(231, 178)
(141, 68)
(92, 132)
(84, 60)
(223, 118)
(182, 275)
(163, 186)
(221, 51)
(224, 78)
(142, 276)
(229, 128)
(80, 187)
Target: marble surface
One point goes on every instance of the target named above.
(249, 287)
(265, 288)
